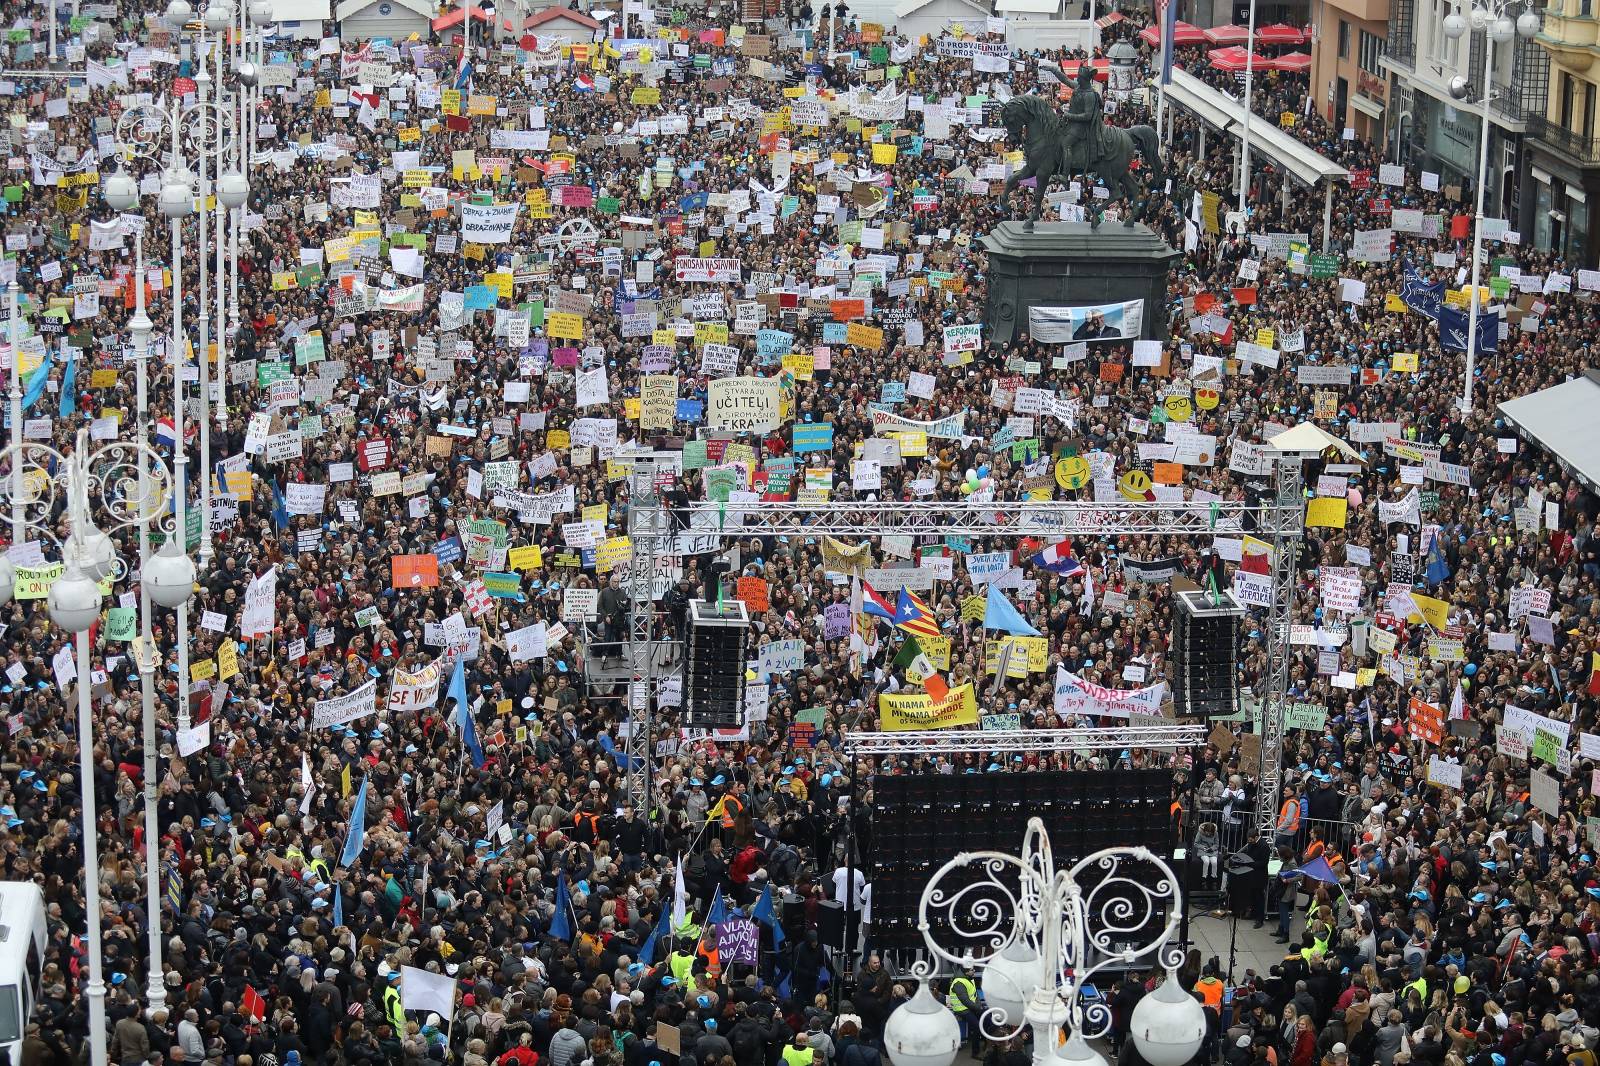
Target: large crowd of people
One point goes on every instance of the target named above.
(399, 749)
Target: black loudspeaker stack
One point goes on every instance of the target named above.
(1205, 655)
(713, 683)
(921, 822)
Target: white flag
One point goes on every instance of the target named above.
(306, 783)
(680, 897)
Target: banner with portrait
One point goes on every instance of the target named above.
(1092, 322)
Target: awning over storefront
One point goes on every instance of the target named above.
(1226, 114)
(1561, 421)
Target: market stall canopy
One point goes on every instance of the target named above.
(1561, 421)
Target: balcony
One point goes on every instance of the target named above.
(1582, 150)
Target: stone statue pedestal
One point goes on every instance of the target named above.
(1067, 264)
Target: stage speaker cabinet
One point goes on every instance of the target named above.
(713, 683)
(1205, 654)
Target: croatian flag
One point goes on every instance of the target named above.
(1058, 560)
(463, 72)
(873, 603)
(583, 83)
(165, 434)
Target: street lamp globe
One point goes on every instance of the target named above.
(176, 200)
(1454, 26)
(1077, 1052)
(1168, 1026)
(216, 18)
(97, 556)
(74, 599)
(169, 575)
(232, 189)
(178, 13)
(1502, 29)
(1528, 24)
(120, 191)
(248, 74)
(1479, 19)
(261, 14)
(923, 1032)
(8, 579)
(1009, 981)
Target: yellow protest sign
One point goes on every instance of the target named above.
(564, 326)
(1434, 611)
(860, 336)
(803, 367)
(227, 660)
(203, 671)
(645, 95)
(557, 438)
(612, 553)
(1392, 302)
(899, 712)
(884, 155)
(1328, 512)
(527, 557)
(710, 333)
(33, 582)
(1405, 361)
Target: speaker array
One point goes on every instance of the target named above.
(1205, 655)
(920, 823)
(713, 683)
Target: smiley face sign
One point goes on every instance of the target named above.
(1178, 408)
(1207, 399)
(1134, 485)
(1072, 472)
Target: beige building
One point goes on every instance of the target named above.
(1351, 89)
(1563, 147)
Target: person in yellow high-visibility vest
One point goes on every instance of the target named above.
(800, 1052)
(681, 963)
(962, 999)
(392, 1006)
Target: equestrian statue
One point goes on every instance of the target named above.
(1078, 143)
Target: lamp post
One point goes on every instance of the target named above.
(74, 603)
(1244, 136)
(1493, 17)
(1040, 941)
(121, 194)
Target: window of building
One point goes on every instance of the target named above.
(1587, 129)
(1371, 52)
(1567, 98)
(1344, 39)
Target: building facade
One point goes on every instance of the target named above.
(1428, 129)
(1564, 155)
(1347, 46)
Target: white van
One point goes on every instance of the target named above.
(23, 937)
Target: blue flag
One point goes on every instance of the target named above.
(280, 508)
(469, 729)
(663, 927)
(1438, 567)
(718, 912)
(763, 913)
(999, 614)
(1453, 329)
(338, 907)
(560, 924)
(358, 828)
(69, 389)
(1167, 11)
(1421, 297)
(35, 385)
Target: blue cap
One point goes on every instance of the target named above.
(718, 780)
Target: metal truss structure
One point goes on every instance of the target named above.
(653, 528)
(1283, 520)
(965, 518)
(1043, 741)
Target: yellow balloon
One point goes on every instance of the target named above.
(1134, 485)
(1178, 408)
(1206, 399)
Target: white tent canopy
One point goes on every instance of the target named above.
(1561, 420)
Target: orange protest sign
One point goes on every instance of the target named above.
(414, 571)
(753, 594)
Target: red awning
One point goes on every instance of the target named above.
(1182, 33)
(1222, 35)
(1234, 58)
(1280, 33)
(1110, 20)
(1294, 62)
(1102, 68)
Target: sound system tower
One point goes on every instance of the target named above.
(922, 821)
(1205, 654)
(713, 683)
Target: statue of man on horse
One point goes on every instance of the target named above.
(1079, 142)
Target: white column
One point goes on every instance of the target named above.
(156, 991)
(18, 535)
(1327, 213)
(1477, 223)
(1249, 82)
(95, 991)
(180, 460)
(202, 354)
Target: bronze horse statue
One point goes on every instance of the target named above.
(1049, 153)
